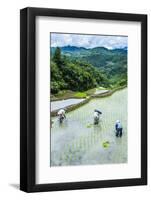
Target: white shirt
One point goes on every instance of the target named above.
(96, 114)
(61, 112)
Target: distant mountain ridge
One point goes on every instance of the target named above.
(111, 61)
(72, 48)
(88, 68)
(75, 51)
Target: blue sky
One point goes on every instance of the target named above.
(88, 41)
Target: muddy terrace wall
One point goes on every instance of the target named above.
(75, 106)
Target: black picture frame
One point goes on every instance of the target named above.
(28, 99)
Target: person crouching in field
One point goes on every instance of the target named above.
(61, 115)
(97, 114)
(118, 129)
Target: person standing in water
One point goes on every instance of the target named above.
(118, 129)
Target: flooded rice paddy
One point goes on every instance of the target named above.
(100, 91)
(77, 141)
(55, 105)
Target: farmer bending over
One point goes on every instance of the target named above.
(97, 114)
(61, 114)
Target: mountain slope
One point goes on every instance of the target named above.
(112, 62)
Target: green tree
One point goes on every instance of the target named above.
(57, 57)
(75, 75)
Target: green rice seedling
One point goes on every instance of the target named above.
(81, 142)
(73, 146)
(96, 138)
(89, 126)
(70, 157)
(74, 156)
(106, 144)
(62, 156)
(77, 144)
(89, 142)
(66, 158)
(65, 148)
(93, 140)
(69, 148)
(84, 144)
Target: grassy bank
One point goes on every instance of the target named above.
(68, 94)
(87, 99)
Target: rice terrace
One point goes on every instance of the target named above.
(88, 99)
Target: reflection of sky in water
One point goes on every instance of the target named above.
(100, 91)
(78, 142)
(55, 105)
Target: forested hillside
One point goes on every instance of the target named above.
(79, 69)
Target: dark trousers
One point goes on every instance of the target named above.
(119, 132)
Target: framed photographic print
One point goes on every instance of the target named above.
(83, 99)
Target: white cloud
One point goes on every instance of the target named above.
(88, 41)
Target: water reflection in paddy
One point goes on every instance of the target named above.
(55, 105)
(78, 142)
